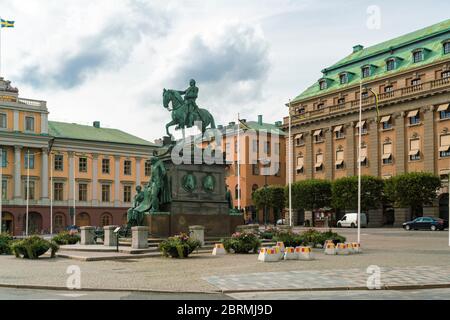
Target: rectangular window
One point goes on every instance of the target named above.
(363, 126)
(82, 192)
(323, 85)
(447, 47)
(363, 157)
(366, 72)
(30, 163)
(390, 65)
(388, 89)
(386, 122)
(3, 158)
(414, 117)
(29, 187)
(340, 159)
(387, 153)
(148, 168)
(343, 78)
(417, 56)
(127, 194)
(82, 164)
(105, 166)
(300, 165)
(58, 191)
(106, 193)
(414, 147)
(319, 162)
(444, 149)
(255, 169)
(318, 136)
(59, 162)
(3, 122)
(445, 74)
(444, 113)
(29, 124)
(4, 190)
(416, 82)
(127, 167)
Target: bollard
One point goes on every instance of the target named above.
(330, 248)
(278, 252)
(268, 255)
(341, 249)
(290, 254)
(219, 250)
(356, 247)
(281, 245)
(304, 253)
(350, 248)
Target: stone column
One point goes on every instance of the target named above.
(350, 160)
(44, 123)
(198, 233)
(308, 156)
(87, 236)
(94, 179)
(374, 149)
(117, 181)
(138, 171)
(400, 143)
(110, 239)
(17, 172)
(329, 165)
(139, 238)
(71, 175)
(16, 120)
(429, 141)
(44, 175)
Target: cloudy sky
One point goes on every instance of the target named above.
(109, 60)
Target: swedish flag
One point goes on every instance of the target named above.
(6, 24)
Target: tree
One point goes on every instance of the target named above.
(413, 190)
(311, 194)
(345, 193)
(270, 197)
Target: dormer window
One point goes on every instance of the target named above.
(368, 70)
(343, 78)
(418, 55)
(447, 47)
(390, 64)
(323, 84)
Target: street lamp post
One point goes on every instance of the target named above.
(28, 192)
(290, 167)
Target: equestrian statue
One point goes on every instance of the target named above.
(185, 112)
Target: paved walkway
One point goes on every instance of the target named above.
(417, 276)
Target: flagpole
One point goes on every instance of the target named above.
(0, 49)
(51, 193)
(290, 166)
(28, 191)
(239, 160)
(359, 162)
(1, 190)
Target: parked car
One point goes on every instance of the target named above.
(426, 223)
(350, 220)
(281, 222)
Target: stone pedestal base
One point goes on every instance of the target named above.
(87, 236)
(309, 217)
(110, 237)
(431, 211)
(197, 233)
(401, 215)
(375, 218)
(139, 238)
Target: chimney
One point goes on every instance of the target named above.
(357, 48)
(260, 120)
(97, 124)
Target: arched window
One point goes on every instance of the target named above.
(83, 220)
(237, 192)
(106, 219)
(59, 222)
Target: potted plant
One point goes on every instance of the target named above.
(65, 238)
(242, 242)
(179, 246)
(33, 247)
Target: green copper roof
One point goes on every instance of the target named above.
(429, 38)
(90, 133)
(265, 126)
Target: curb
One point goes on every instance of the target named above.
(215, 292)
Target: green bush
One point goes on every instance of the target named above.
(268, 234)
(179, 246)
(289, 239)
(312, 238)
(242, 243)
(33, 247)
(5, 243)
(333, 236)
(65, 238)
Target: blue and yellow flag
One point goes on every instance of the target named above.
(6, 24)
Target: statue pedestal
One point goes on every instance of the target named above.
(139, 238)
(110, 237)
(87, 236)
(197, 233)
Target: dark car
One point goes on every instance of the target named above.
(426, 223)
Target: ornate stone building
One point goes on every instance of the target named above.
(411, 77)
(90, 172)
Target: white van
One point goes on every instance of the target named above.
(350, 220)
